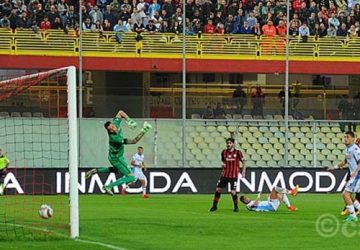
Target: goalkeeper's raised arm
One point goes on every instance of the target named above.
(122, 115)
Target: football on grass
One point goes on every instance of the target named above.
(45, 211)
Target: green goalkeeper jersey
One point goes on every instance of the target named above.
(116, 141)
(4, 161)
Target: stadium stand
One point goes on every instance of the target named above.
(323, 19)
(262, 143)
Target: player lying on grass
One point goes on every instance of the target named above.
(116, 150)
(272, 203)
(352, 161)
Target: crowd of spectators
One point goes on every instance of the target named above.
(261, 17)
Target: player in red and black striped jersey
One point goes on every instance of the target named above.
(231, 159)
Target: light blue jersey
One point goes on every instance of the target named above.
(352, 154)
(264, 206)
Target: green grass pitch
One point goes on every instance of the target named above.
(166, 222)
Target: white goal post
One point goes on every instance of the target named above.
(72, 132)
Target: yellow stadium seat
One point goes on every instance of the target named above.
(277, 157)
(294, 151)
(257, 134)
(266, 157)
(211, 128)
(337, 152)
(294, 163)
(272, 164)
(200, 128)
(325, 129)
(247, 135)
(219, 140)
(294, 129)
(252, 140)
(198, 139)
(299, 157)
(336, 140)
(336, 130)
(255, 157)
(256, 146)
(261, 164)
(204, 134)
(231, 129)
(309, 157)
(243, 129)
(261, 152)
(208, 139)
(305, 163)
(213, 145)
(267, 146)
(294, 140)
(305, 129)
(202, 145)
(221, 129)
(325, 140)
(253, 129)
(250, 152)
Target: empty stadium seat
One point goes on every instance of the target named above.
(195, 116)
(38, 114)
(4, 114)
(26, 114)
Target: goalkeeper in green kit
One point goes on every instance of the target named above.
(116, 150)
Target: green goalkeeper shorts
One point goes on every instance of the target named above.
(121, 165)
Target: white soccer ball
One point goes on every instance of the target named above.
(45, 211)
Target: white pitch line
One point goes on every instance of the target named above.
(36, 228)
(67, 237)
(100, 244)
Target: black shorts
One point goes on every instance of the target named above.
(224, 181)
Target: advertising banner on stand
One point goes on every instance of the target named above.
(177, 181)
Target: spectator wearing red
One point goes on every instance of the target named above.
(269, 32)
(280, 40)
(324, 15)
(296, 5)
(209, 27)
(220, 29)
(45, 24)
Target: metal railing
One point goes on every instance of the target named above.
(163, 45)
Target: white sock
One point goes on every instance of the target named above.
(123, 186)
(281, 190)
(357, 204)
(286, 200)
(144, 190)
(351, 210)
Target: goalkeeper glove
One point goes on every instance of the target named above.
(146, 127)
(132, 124)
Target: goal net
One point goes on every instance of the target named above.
(38, 135)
